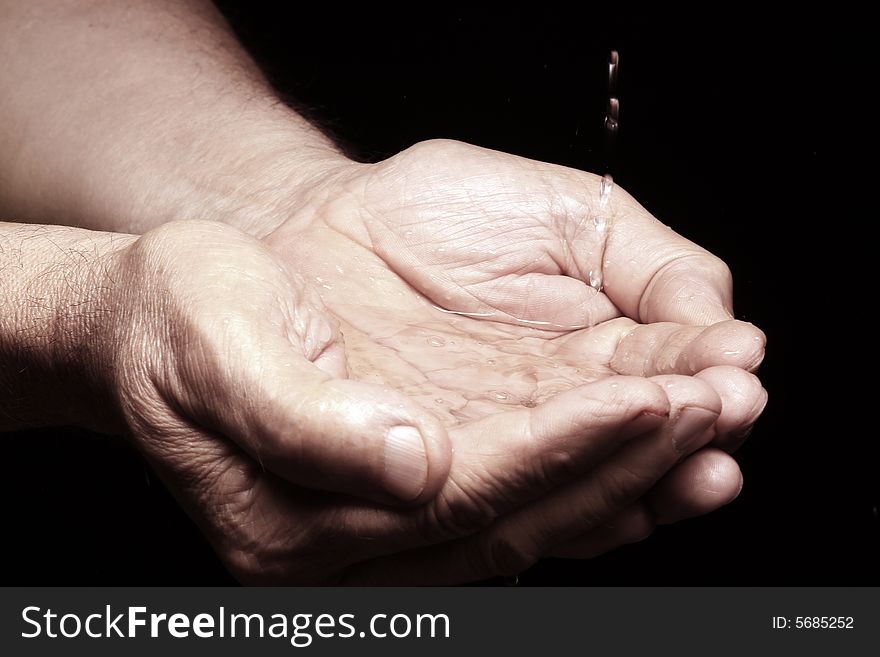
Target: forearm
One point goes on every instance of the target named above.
(54, 291)
(123, 115)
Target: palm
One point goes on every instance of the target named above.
(459, 368)
(452, 285)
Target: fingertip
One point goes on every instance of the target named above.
(706, 481)
(730, 342)
(720, 479)
(743, 399)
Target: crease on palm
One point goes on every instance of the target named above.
(459, 368)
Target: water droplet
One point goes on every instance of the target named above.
(500, 396)
(440, 400)
(615, 385)
(733, 353)
(491, 361)
(436, 341)
(408, 235)
(606, 186)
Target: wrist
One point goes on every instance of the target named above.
(253, 182)
(265, 184)
(248, 172)
(55, 303)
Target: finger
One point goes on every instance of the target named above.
(517, 540)
(743, 400)
(507, 459)
(669, 348)
(344, 436)
(706, 481)
(631, 525)
(702, 483)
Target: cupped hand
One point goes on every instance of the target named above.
(236, 382)
(461, 277)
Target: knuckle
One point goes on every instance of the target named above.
(456, 511)
(619, 488)
(432, 153)
(556, 466)
(437, 147)
(502, 554)
(699, 260)
(684, 391)
(718, 269)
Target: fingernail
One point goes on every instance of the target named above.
(740, 489)
(691, 427)
(406, 463)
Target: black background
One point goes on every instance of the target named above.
(704, 145)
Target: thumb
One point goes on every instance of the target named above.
(693, 287)
(353, 437)
(653, 274)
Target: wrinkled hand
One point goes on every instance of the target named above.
(459, 278)
(229, 376)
